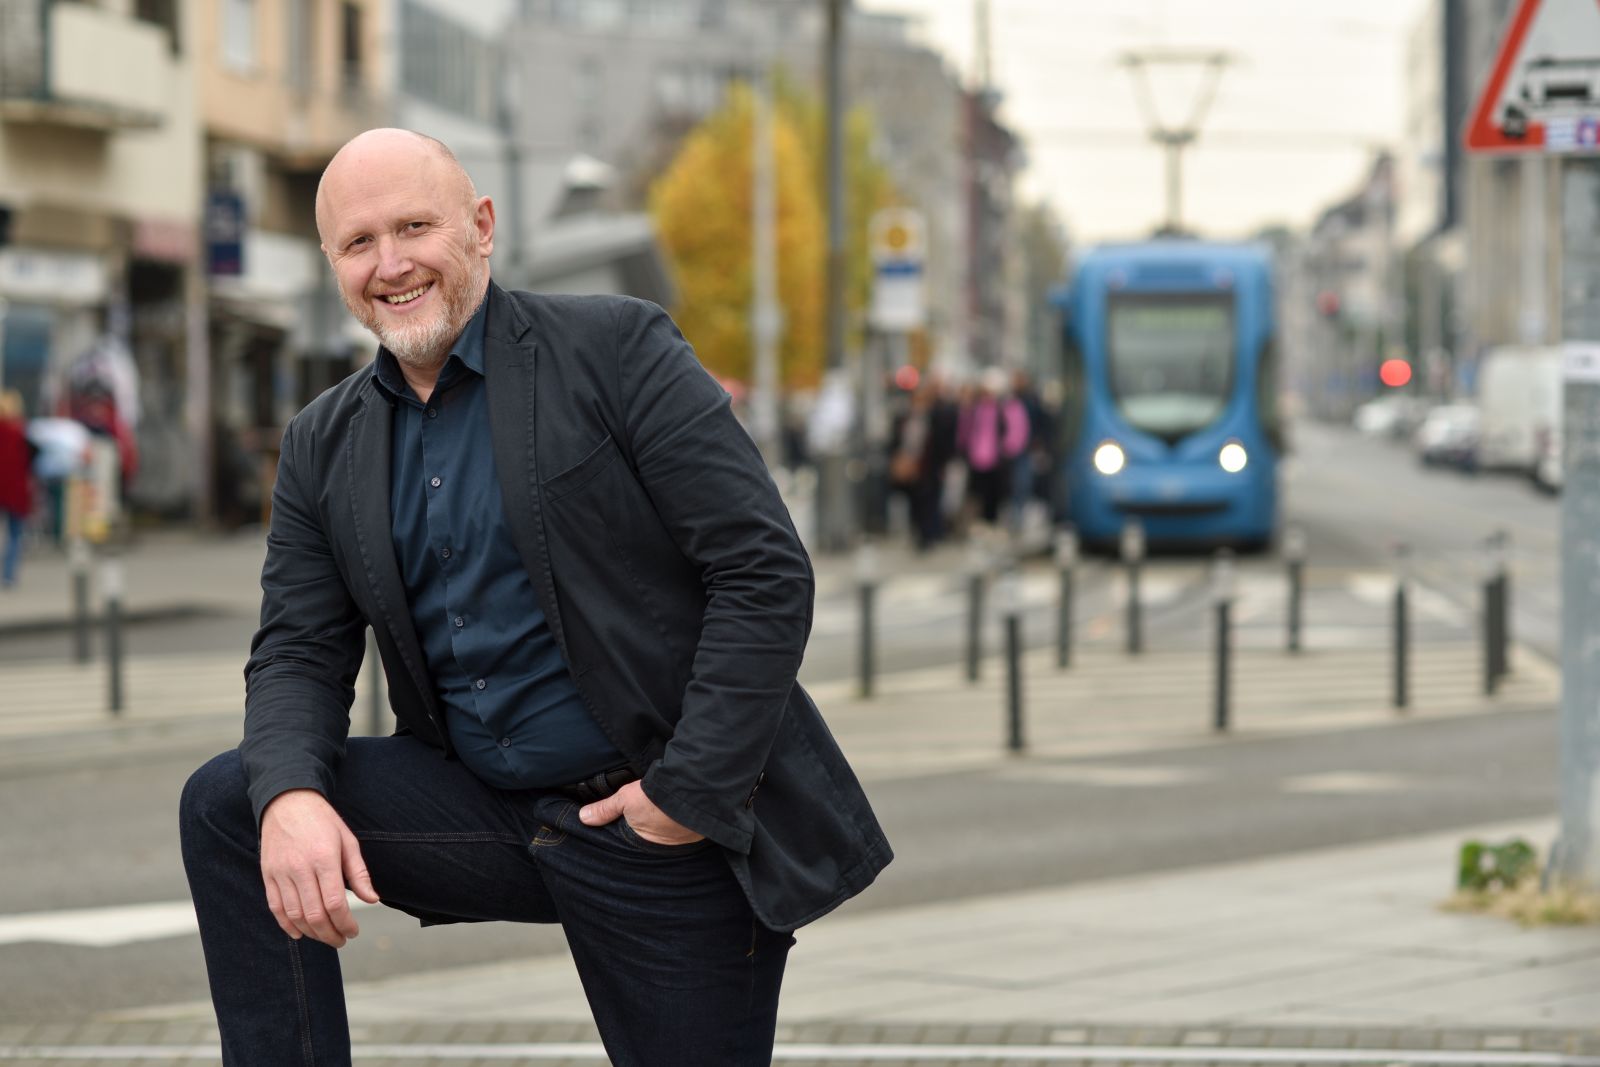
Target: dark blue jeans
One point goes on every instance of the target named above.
(676, 968)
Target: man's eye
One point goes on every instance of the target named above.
(358, 242)
(415, 226)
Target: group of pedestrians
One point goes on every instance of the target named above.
(972, 456)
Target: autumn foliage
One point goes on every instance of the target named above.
(702, 210)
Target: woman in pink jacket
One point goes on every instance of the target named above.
(992, 433)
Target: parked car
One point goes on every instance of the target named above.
(1519, 403)
(1448, 437)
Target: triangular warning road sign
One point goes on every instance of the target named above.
(1543, 92)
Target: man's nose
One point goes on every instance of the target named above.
(393, 261)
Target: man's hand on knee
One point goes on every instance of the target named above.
(308, 856)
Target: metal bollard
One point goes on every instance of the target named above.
(78, 562)
(1011, 609)
(1294, 555)
(1402, 628)
(375, 698)
(867, 588)
(1133, 556)
(1493, 608)
(1222, 587)
(1503, 547)
(1066, 563)
(111, 587)
(975, 581)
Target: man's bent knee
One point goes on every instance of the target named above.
(214, 798)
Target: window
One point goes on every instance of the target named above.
(239, 35)
(163, 13)
(445, 64)
(302, 59)
(1171, 361)
(350, 54)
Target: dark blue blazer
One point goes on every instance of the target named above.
(661, 554)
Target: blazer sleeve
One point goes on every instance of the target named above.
(300, 680)
(710, 486)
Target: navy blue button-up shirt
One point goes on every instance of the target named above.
(513, 712)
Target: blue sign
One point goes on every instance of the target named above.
(224, 232)
(1589, 133)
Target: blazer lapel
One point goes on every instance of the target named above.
(508, 356)
(367, 473)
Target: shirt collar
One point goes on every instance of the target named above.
(467, 351)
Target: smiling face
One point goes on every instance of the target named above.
(409, 241)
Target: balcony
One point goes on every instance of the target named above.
(71, 65)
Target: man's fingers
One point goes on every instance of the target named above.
(355, 870)
(275, 905)
(602, 811)
(292, 910)
(314, 915)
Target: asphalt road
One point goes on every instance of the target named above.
(99, 836)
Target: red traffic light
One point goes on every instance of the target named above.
(1394, 373)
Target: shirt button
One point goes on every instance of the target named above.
(479, 684)
(433, 413)
(445, 553)
(505, 742)
(460, 622)
(435, 482)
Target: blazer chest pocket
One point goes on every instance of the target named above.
(582, 472)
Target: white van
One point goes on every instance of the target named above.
(1519, 405)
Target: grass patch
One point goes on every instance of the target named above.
(1503, 880)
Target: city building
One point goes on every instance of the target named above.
(100, 187)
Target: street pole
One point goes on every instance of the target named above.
(833, 496)
(1576, 856)
(765, 322)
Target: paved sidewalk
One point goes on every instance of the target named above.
(1340, 950)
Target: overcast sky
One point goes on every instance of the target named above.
(1313, 88)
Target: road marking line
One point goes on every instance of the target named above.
(555, 1051)
(1348, 783)
(1106, 775)
(107, 927)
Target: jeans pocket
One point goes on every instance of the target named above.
(631, 837)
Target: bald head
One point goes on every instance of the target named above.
(383, 150)
(409, 241)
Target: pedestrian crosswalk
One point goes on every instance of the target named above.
(1109, 703)
(1346, 606)
(54, 698)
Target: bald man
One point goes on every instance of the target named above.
(590, 605)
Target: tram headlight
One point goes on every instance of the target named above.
(1109, 458)
(1233, 457)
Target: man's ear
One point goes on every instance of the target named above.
(483, 225)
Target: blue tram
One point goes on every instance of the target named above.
(1171, 412)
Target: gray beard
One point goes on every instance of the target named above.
(424, 350)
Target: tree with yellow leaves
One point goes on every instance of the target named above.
(702, 209)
